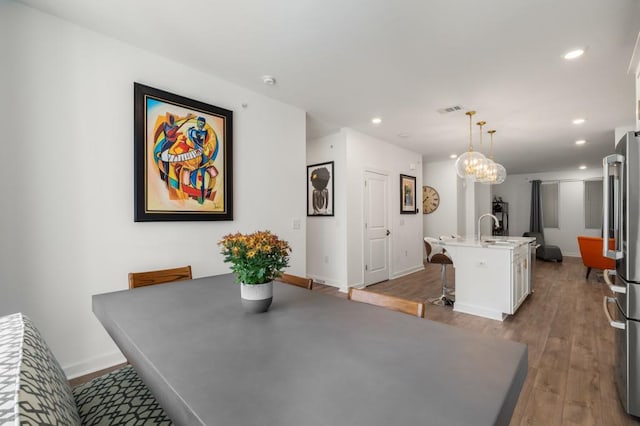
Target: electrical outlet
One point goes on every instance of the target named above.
(295, 223)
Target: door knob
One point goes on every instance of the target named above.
(388, 232)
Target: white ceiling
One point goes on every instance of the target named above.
(346, 61)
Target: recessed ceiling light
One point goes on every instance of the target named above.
(574, 54)
(376, 120)
(453, 156)
(579, 121)
(582, 167)
(581, 142)
(268, 80)
(403, 135)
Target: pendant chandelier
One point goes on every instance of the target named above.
(495, 173)
(467, 164)
(482, 168)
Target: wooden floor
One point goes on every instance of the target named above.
(571, 353)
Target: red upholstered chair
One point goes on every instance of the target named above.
(591, 252)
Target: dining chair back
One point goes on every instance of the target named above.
(141, 279)
(397, 304)
(295, 280)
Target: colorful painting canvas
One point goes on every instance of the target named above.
(183, 152)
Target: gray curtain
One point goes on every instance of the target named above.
(536, 223)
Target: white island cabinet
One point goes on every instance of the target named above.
(492, 276)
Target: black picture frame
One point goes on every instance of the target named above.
(320, 189)
(408, 195)
(183, 158)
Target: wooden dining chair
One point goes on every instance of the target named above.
(295, 280)
(141, 279)
(397, 304)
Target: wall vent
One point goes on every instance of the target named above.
(450, 109)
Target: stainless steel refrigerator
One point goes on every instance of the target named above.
(621, 230)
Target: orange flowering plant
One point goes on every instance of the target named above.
(255, 258)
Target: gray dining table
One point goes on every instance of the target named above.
(311, 360)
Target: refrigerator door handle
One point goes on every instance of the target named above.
(605, 305)
(614, 288)
(606, 163)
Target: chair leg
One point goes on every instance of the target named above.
(442, 300)
(588, 271)
(451, 291)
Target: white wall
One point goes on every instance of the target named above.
(483, 206)
(516, 190)
(67, 180)
(462, 201)
(367, 153)
(462, 206)
(444, 220)
(335, 244)
(327, 235)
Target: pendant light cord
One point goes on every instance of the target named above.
(470, 114)
(491, 132)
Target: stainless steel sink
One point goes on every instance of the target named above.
(499, 242)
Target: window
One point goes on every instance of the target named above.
(550, 204)
(593, 204)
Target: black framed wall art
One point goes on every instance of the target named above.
(408, 194)
(320, 187)
(183, 151)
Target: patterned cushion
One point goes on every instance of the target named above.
(43, 393)
(10, 349)
(118, 398)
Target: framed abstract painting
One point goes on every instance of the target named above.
(183, 151)
(408, 195)
(320, 189)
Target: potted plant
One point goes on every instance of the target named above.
(256, 259)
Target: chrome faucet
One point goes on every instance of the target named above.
(495, 219)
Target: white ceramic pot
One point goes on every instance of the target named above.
(256, 298)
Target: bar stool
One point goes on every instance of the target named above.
(442, 259)
(450, 291)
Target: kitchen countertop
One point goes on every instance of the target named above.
(492, 242)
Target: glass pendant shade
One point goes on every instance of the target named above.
(495, 172)
(486, 175)
(483, 164)
(501, 174)
(467, 163)
(492, 174)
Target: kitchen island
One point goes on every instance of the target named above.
(492, 274)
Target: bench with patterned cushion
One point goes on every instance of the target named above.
(34, 390)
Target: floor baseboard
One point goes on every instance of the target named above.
(94, 364)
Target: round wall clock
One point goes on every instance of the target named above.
(430, 199)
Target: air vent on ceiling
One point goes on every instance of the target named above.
(450, 109)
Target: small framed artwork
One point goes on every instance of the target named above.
(408, 195)
(320, 189)
(182, 158)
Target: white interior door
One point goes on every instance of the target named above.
(376, 228)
